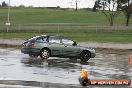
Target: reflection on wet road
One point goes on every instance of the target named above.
(17, 69)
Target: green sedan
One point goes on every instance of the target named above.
(47, 46)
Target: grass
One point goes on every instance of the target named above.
(43, 15)
(115, 36)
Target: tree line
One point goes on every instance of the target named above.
(112, 8)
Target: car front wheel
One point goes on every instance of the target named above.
(45, 53)
(85, 56)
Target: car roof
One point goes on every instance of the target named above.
(36, 37)
(56, 36)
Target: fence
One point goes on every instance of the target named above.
(63, 26)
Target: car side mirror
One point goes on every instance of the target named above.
(74, 44)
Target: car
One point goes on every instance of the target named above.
(47, 46)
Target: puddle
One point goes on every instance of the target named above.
(17, 68)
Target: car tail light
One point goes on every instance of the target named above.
(32, 43)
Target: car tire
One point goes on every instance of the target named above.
(85, 56)
(44, 53)
(32, 55)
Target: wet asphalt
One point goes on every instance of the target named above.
(18, 70)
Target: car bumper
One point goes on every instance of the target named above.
(30, 50)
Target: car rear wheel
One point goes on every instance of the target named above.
(85, 56)
(45, 53)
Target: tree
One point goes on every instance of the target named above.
(96, 6)
(4, 4)
(126, 7)
(22, 6)
(109, 9)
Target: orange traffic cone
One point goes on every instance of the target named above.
(86, 74)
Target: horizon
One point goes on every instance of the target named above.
(51, 3)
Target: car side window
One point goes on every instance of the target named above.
(67, 41)
(54, 39)
(42, 39)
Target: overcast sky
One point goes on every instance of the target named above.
(52, 3)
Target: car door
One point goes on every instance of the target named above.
(55, 45)
(68, 48)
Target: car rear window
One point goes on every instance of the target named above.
(42, 39)
(33, 38)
